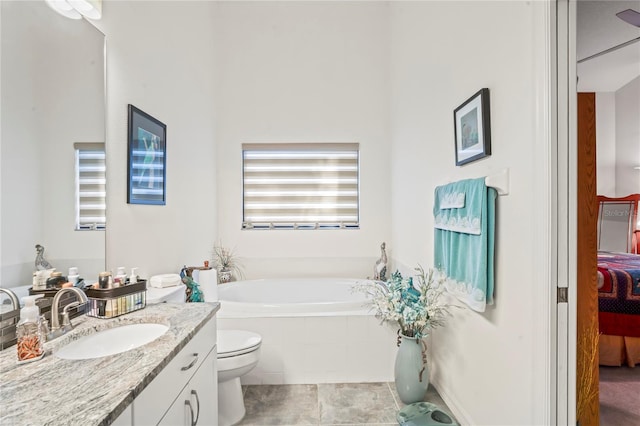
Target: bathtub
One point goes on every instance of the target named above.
(314, 330)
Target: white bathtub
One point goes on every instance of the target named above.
(291, 297)
(314, 330)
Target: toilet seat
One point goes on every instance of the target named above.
(237, 342)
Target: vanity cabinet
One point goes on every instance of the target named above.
(186, 389)
(197, 404)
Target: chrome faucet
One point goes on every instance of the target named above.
(14, 299)
(56, 329)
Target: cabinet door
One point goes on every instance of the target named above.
(197, 404)
(151, 404)
(204, 392)
(124, 419)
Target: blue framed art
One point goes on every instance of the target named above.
(147, 159)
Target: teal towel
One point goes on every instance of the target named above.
(464, 239)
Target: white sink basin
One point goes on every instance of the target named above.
(111, 341)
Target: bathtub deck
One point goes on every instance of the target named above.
(326, 404)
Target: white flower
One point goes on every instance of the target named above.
(413, 304)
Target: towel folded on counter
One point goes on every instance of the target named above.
(165, 280)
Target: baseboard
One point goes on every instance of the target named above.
(461, 415)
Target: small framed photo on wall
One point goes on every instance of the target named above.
(472, 128)
(147, 159)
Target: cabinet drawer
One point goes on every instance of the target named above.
(155, 399)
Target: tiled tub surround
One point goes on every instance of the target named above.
(323, 348)
(55, 391)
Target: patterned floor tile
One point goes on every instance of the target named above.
(356, 403)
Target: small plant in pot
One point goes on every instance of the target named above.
(226, 263)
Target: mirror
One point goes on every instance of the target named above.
(617, 223)
(53, 96)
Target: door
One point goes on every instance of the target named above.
(587, 380)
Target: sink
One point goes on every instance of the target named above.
(111, 341)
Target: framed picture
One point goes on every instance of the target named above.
(472, 128)
(147, 158)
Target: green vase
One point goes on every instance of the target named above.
(411, 371)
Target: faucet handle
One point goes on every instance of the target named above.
(66, 322)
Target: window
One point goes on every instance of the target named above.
(91, 194)
(300, 186)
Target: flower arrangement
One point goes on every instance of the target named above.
(226, 261)
(415, 308)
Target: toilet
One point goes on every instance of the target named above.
(238, 353)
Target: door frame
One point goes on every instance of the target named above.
(555, 192)
(567, 224)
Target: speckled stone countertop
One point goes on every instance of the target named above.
(54, 391)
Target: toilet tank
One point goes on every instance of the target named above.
(174, 294)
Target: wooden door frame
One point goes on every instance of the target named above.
(587, 373)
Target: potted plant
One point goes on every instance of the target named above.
(226, 263)
(416, 307)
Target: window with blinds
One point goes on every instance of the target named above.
(300, 186)
(91, 184)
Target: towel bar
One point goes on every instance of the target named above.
(499, 181)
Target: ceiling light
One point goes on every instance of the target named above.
(76, 9)
(64, 8)
(637, 167)
(630, 16)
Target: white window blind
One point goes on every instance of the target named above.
(91, 184)
(300, 186)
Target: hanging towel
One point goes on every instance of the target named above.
(464, 221)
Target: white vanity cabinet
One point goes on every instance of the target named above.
(194, 405)
(186, 389)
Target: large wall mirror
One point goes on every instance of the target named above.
(53, 97)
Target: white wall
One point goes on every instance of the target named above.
(483, 364)
(628, 138)
(52, 97)
(606, 143)
(304, 72)
(160, 59)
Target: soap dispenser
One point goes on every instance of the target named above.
(133, 278)
(28, 331)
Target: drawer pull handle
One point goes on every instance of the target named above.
(195, 359)
(194, 393)
(188, 404)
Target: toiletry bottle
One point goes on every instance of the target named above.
(133, 278)
(73, 276)
(56, 280)
(28, 330)
(121, 275)
(105, 280)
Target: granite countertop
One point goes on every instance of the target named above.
(54, 391)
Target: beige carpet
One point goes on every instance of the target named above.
(619, 396)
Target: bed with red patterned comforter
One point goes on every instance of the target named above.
(619, 293)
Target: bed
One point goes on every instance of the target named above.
(618, 280)
(619, 308)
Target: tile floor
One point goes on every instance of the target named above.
(326, 404)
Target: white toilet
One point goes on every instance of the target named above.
(238, 353)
